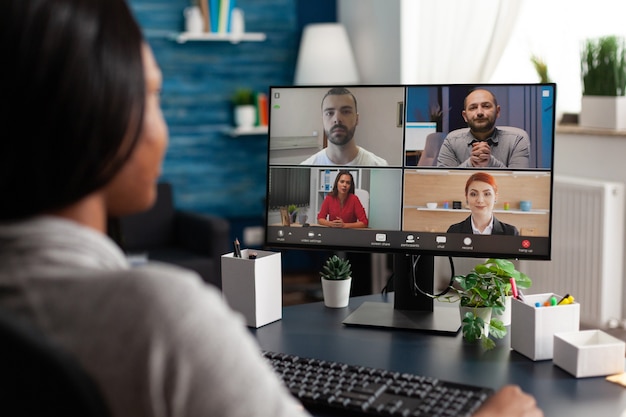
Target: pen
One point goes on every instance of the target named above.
(514, 288)
(563, 299)
(237, 251)
(568, 299)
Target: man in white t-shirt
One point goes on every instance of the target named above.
(340, 118)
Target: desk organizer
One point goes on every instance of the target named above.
(589, 353)
(254, 286)
(533, 328)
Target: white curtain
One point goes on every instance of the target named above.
(454, 41)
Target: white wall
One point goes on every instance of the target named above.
(592, 156)
(374, 30)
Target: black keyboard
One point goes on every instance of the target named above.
(338, 388)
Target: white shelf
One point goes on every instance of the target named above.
(540, 211)
(219, 37)
(248, 131)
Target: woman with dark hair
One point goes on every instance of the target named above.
(84, 141)
(341, 207)
(481, 193)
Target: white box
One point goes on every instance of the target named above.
(589, 353)
(533, 328)
(254, 286)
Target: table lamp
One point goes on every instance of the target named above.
(325, 56)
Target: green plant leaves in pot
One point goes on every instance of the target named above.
(336, 268)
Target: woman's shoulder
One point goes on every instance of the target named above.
(461, 227)
(155, 280)
(507, 229)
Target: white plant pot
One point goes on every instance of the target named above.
(603, 112)
(245, 116)
(482, 312)
(505, 317)
(336, 292)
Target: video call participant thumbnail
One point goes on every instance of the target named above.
(340, 117)
(481, 193)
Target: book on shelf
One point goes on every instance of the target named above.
(206, 18)
(214, 13)
(262, 109)
(219, 15)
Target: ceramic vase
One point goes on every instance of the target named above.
(336, 292)
(245, 116)
(505, 317)
(603, 112)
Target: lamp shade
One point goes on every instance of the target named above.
(325, 56)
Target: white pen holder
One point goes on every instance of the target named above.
(253, 286)
(533, 328)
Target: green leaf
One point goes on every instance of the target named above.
(497, 329)
(472, 327)
(488, 344)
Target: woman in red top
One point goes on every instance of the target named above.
(341, 208)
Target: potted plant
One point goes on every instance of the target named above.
(293, 212)
(336, 281)
(244, 107)
(482, 294)
(603, 74)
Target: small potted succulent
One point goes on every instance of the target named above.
(482, 296)
(336, 278)
(244, 107)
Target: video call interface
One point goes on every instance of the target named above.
(418, 180)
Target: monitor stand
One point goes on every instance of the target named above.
(411, 310)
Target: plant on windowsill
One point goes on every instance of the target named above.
(336, 278)
(603, 73)
(541, 67)
(481, 294)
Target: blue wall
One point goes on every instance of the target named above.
(213, 172)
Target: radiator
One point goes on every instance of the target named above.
(587, 249)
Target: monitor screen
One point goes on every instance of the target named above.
(430, 170)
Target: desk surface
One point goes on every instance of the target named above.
(312, 330)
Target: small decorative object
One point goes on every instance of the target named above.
(603, 71)
(244, 105)
(285, 218)
(456, 205)
(525, 205)
(194, 23)
(482, 294)
(336, 282)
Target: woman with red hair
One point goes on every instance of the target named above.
(481, 193)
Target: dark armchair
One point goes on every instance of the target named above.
(39, 378)
(164, 233)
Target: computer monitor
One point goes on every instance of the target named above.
(424, 187)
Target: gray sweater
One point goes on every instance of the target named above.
(156, 339)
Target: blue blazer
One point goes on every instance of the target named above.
(499, 228)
